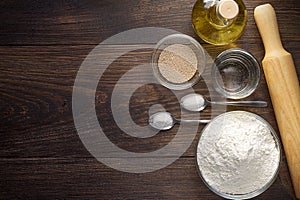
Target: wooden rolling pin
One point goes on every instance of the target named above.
(283, 86)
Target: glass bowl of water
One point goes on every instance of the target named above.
(235, 73)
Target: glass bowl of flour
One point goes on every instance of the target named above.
(178, 61)
(238, 155)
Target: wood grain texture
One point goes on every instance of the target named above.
(42, 45)
(90, 22)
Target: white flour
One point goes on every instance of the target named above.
(237, 154)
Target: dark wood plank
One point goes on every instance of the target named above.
(62, 178)
(90, 22)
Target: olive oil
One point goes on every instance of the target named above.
(219, 22)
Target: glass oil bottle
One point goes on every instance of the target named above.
(219, 22)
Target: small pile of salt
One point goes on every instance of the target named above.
(193, 102)
(162, 120)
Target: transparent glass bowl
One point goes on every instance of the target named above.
(183, 40)
(235, 73)
(263, 187)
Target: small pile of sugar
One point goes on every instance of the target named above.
(177, 63)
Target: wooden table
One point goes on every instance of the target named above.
(43, 44)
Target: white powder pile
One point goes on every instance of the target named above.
(161, 120)
(193, 102)
(237, 153)
(177, 63)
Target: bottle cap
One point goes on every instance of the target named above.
(228, 9)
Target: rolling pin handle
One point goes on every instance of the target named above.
(265, 18)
